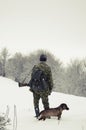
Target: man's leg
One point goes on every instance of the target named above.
(36, 98)
(45, 101)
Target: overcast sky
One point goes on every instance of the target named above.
(58, 26)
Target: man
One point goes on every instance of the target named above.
(47, 85)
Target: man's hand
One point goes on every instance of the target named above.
(19, 84)
(22, 84)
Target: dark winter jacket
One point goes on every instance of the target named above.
(43, 66)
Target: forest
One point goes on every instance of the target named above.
(70, 79)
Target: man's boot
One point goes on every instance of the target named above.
(37, 111)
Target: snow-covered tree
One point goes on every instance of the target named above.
(3, 60)
(15, 66)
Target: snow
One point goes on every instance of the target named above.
(22, 98)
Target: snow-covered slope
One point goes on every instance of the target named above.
(10, 94)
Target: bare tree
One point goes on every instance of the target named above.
(15, 66)
(4, 57)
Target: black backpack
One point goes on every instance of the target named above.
(38, 80)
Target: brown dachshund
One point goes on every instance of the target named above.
(53, 112)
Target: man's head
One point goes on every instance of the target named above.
(43, 57)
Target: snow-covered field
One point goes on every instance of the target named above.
(11, 94)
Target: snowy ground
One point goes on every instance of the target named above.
(11, 94)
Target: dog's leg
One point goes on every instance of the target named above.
(42, 118)
(59, 117)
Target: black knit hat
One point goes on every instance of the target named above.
(43, 57)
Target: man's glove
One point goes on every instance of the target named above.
(19, 84)
(22, 84)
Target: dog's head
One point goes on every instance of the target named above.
(64, 106)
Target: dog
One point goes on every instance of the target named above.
(53, 112)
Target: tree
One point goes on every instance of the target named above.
(0, 68)
(15, 66)
(75, 77)
(4, 57)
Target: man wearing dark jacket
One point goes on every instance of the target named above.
(49, 82)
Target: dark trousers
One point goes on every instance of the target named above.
(43, 96)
